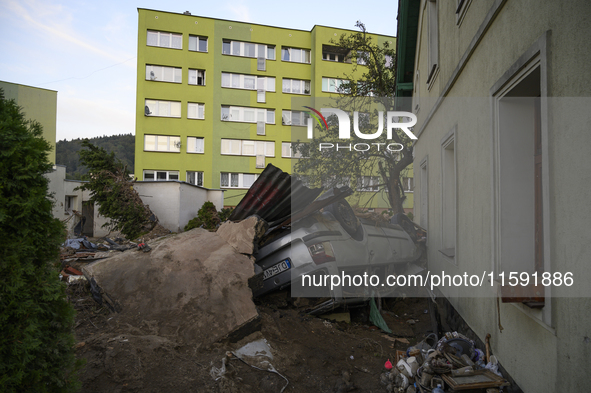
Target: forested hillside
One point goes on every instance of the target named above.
(67, 152)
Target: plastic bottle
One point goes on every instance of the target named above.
(438, 390)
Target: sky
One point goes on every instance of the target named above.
(86, 50)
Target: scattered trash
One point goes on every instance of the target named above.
(431, 365)
(79, 243)
(257, 354)
(144, 247)
(388, 365)
(376, 318)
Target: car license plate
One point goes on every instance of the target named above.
(276, 269)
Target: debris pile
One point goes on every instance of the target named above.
(194, 284)
(452, 362)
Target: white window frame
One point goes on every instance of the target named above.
(292, 83)
(240, 111)
(198, 39)
(535, 56)
(194, 74)
(158, 73)
(449, 196)
(156, 106)
(195, 145)
(287, 151)
(156, 172)
(237, 147)
(461, 9)
(265, 83)
(372, 184)
(198, 108)
(238, 48)
(326, 81)
(160, 38)
(361, 55)
(240, 177)
(173, 143)
(337, 57)
(433, 41)
(287, 118)
(290, 54)
(408, 183)
(198, 178)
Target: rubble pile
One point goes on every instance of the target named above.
(452, 363)
(194, 284)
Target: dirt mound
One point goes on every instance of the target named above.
(194, 285)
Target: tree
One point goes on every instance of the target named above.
(111, 187)
(369, 93)
(36, 340)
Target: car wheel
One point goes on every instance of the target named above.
(344, 214)
(406, 224)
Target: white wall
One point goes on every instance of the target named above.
(547, 350)
(176, 203)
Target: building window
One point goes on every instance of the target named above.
(70, 203)
(408, 184)
(287, 150)
(248, 49)
(165, 40)
(520, 202)
(368, 183)
(197, 77)
(333, 85)
(433, 31)
(195, 144)
(160, 175)
(335, 53)
(362, 57)
(389, 62)
(248, 82)
(237, 180)
(448, 197)
(294, 118)
(195, 178)
(461, 9)
(164, 74)
(334, 181)
(163, 143)
(424, 191)
(197, 44)
(296, 86)
(295, 55)
(239, 147)
(195, 111)
(163, 108)
(248, 115)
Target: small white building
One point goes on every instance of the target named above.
(175, 203)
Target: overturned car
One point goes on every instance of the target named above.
(313, 238)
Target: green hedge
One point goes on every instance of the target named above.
(36, 338)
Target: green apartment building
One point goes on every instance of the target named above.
(38, 104)
(214, 97)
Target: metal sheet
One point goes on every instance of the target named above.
(274, 196)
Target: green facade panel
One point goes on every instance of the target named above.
(213, 96)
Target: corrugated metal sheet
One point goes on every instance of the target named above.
(274, 196)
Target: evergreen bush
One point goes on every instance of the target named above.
(36, 339)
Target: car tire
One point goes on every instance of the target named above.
(344, 214)
(406, 224)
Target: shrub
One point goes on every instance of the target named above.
(209, 218)
(36, 340)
